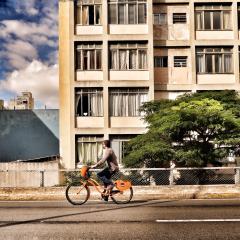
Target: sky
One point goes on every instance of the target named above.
(29, 50)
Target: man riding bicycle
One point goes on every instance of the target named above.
(106, 174)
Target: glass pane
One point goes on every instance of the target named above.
(92, 59)
(142, 59)
(162, 18)
(132, 59)
(218, 63)
(78, 58)
(199, 21)
(98, 59)
(121, 13)
(112, 13)
(142, 13)
(228, 63)
(91, 14)
(78, 15)
(85, 60)
(216, 20)
(97, 14)
(156, 19)
(123, 59)
(132, 14)
(209, 64)
(85, 15)
(200, 64)
(207, 20)
(227, 21)
(113, 60)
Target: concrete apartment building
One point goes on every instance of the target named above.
(23, 102)
(117, 54)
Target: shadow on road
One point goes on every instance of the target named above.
(133, 204)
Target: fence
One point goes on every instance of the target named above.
(138, 177)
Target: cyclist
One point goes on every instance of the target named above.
(112, 167)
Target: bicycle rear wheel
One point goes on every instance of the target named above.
(77, 195)
(122, 197)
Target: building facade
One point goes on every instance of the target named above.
(23, 102)
(1, 104)
(117, 54)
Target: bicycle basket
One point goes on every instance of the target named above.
(123, 185)
(85, 172)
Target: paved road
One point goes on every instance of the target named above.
(165, 219)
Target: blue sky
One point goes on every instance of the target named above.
(29, 50)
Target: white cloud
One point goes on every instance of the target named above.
(27, 7)
(38, 78)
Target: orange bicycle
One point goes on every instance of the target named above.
(78, 194)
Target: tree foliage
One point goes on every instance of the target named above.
(195, 130)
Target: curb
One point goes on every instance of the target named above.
(140, 193)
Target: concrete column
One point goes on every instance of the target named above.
(192, 41)
(236, 47)
(66, 78)
(150, 48)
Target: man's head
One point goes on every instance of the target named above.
(106, 144)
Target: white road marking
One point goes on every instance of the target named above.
(197, 220)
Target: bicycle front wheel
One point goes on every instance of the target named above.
(77, 195)
(122, 197)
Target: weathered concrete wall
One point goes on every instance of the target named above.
(28, 134)
(29, 174)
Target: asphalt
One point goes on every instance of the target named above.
(159, 219)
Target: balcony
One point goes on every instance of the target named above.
(127, 122)
(88, 30)
(129, 75)
(215, 79)
(128, 29)
(89, 122)
(89, 75)
(213, 35)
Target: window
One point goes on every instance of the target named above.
(88, 12)
(217, 17)
(128, 56)
(214, 60)
(180, 61)
(89, 149)
(89, 57)
(179, 18)
(89, 102)
(118, 144)
(161, 61)
(160, 18)
(126, 102)
(127, 11)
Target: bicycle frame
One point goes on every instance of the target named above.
(93, 183)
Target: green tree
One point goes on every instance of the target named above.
(195, 130)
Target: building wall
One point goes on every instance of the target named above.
(28, 134)
(170, 39)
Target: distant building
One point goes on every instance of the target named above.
(1, 104)
(25, 101)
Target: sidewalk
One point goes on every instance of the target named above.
(140, 193)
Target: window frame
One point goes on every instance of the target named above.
(202, 10)
(179, 18)
(128, 92)
(128, 47)
(125, 4)
(86, 3)
(158, 16)
(89, 92)
(205, 52)
(180, 61)
(81, 49)
(162, 60)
